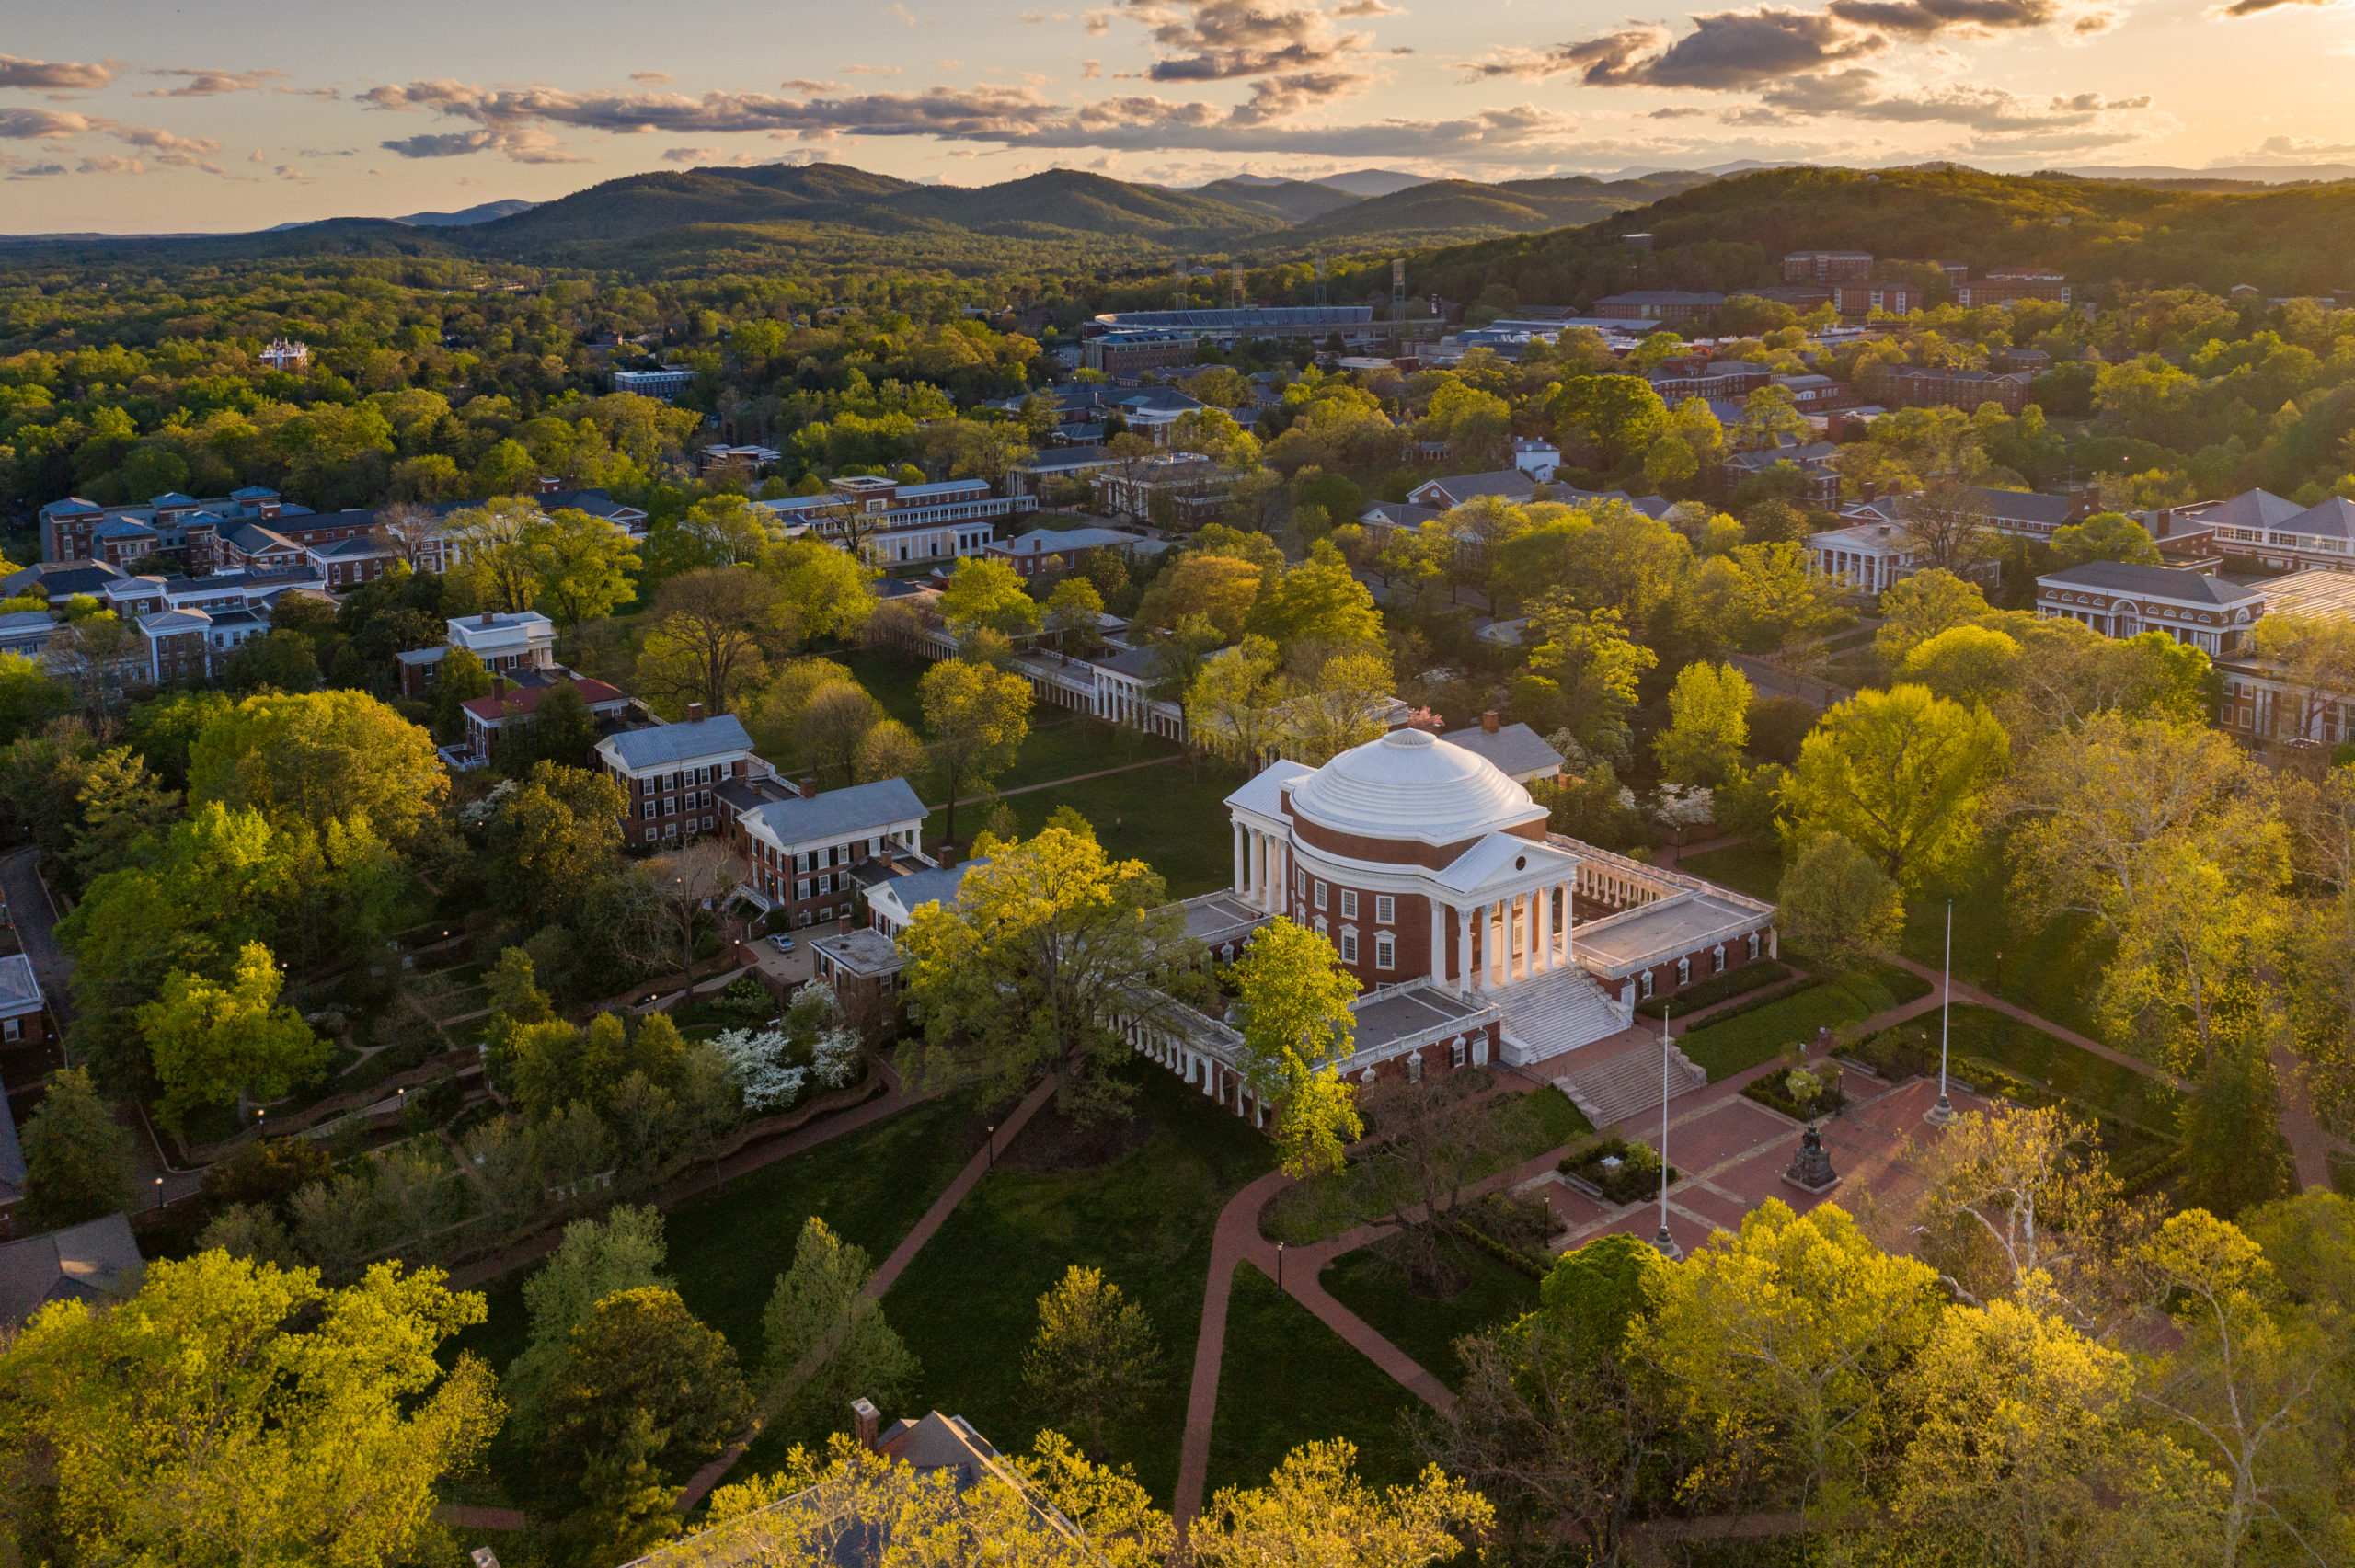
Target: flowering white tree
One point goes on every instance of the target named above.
(763, 1072)
(817, 1014)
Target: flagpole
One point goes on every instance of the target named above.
(1942, 1113)
(1665, 1242)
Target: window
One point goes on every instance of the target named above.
(1320, 892)
(650, 810)
(1754, 947)
(1349, 903)
(1457, 1053)
(801, 890)
(1348, 944)
(1386, 910)
(13, 1029)
(1644, 985)
(825, 884)
(1718, 959)
(1386, 950)
(1320, 926)
(1685, 971)
(1414, 1067)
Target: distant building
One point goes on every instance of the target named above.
(665, 384)
(1053, 551)
(669, 773)
(1678, 379)
(1127, 353)
(285, 354)
(96, 1263)
(1857, 301)
(2119, 599)
(517, 703)
(1920, 386)
(2019, 283)
(1454, 489)
(1513, 749)
(1180, 490)
(1827, 266)
(899, 524)
(1034, 473)
(2279, 533)
(1355, 324)
(799, 849)
(506, 641)
(1657, 305)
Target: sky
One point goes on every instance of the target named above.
(143, 116)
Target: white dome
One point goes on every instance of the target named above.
(1411, 784)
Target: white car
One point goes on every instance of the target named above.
(783, 944)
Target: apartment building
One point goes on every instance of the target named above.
(671, 773)
(803, 850)
(1827, 266)
(506, 641)
(898, 524)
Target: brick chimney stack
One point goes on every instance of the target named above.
(1489, 724)
(808, 787)
(867, 1422)
(498, 685)
(695, 712)
(490, 617)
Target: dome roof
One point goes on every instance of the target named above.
(1411, 784)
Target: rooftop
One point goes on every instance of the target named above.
(1670, 928)
(862, 809)
(94, 1262)
(2153, 582)
(912, 893)
(665, 744)
(1389, 1015)
(1514, 749)
(1410, 785)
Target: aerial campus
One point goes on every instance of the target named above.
(1285, 837)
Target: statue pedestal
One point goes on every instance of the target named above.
(1810, 1168)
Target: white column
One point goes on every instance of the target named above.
(1545, 897)
(1516, 939)
(1439, 942)
(1282, 879)
(1239, 887)
(1259, 867)
(1463, 951)
(1492, 946)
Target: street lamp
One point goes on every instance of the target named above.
(1942, 1113)
(159, 1192)
(989, 1146)
(1279, 1265)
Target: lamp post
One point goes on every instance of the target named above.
(159, 1192)
(1665, 1242)
(989, 1146)
(1279, 1265)
(1942, 1113)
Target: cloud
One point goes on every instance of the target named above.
(2304, 147)
(518, 121)
(1221, 40)
(35, 171)
(1997, 118)
(163, 141)
(45, 125)
(2244, 8)
(809, 84)
(257, 157)
(202, 84)
(1368, 9)
(106, 163)
(1098, 21)
(54, 73)
(288, 171)
(655, 78)
(1672, 114)
(1091, 70)
(870, 70)
(711, 155)
(1034, 18)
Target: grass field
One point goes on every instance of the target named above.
(1753, 866)
(1743, 1042)
(1174, 818)
(728, 1247)
(1980, 1034)
(968, 1306)
(1375, 1289)
(1288, 1379)
(2049, 971)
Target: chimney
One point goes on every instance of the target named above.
(498, 685)
(1871, 488)
(695, 712)
(866, 1424)
(1488, 722)
(490, 617)
(2163, 523)
(808, 787)
(944, 854)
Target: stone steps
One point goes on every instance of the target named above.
(1612, 1091)
(1555, 1012)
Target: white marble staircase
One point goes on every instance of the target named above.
(1554, 1013)
(1612, 1091)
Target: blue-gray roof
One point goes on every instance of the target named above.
(2156, 582)
(922, 887)
(1136, 661)
(1514, 749)
(860, 811)
(668, 743)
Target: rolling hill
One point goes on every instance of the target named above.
(1440, 209)
(1293, 200)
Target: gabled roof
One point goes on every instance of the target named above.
(914, 891)
(256, 540)
(1051, 541)
(360, 548)
(1066, 457)
(123, 528)
(526, 699)
(838, 813)
(95, 1262)
(1399, 514)
(668, 743)
(1515, 749)
(19, 986)
(1263, 791)
(2155, 582)
(2332, 519)
(1499, 857)
(2250, 508)
(169, 622)
(1511, 483)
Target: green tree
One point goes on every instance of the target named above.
(582, 565)
(641, 1382)
(1617, 416)
(2104, 536)
(2234, 1156)
(1795, 1326)
(828, 1343)
(1020, 973)
(826, 591)
(833, 724)
(1917, 608)
(1837, 905)
(1319, 600)
(563, 730)
(320, 757)
(597, 1258)
(1235, 707)
(215, 1044)
(493, 546)
(554, 834)
(1315, 1509)
(1095, 1355)
(461, 677)
(1970, 665)
(1591, 667)
(987, 595)
(712, 633)
(890, 751)
(1071, 614)
(123, 809)
(282, 661)
(1294, 999)
(321, 1429)
(77, 1160)
(29, 696)
(1900, 774)
(1708, 724)
(977, 717)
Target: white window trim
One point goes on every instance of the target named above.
(1349, 903)
(1386, 910)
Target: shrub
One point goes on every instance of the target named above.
(1621, 1170)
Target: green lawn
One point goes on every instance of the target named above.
(1743, 1042)
(1377, 1290)
(1525, 1126)
(968, 1306)
(2049, 971)
(1753, 866)
(1287, 1379)
(1174, 818)
(1980, 1034)
(728, 1247)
